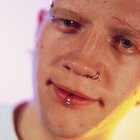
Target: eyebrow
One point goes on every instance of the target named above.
(68, 14)
(130, 30)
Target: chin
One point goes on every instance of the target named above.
(64, 127)
(66, 134)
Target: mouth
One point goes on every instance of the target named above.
(77, 98)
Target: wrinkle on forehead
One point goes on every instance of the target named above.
(125, 22)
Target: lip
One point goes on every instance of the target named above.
(77, 98)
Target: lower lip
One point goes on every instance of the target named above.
(75, 100)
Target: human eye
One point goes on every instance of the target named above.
(66, 25)
(125, 45)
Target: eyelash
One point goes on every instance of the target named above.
(66, 25)
(124, 45)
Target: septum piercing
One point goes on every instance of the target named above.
(95, 77)
(68, 102)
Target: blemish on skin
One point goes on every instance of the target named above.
(49, 82)
(81, 125)
(41, 47)
(101, 102)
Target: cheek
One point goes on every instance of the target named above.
(124, 81)
(127, 81)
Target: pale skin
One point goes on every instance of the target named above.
(78, 38)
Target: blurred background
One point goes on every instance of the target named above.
(18, 23)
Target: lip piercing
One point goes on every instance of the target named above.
(68, 102)
(95, 77)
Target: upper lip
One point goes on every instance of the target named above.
(74, 92)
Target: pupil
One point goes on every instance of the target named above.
(127, 43)
(68, 23)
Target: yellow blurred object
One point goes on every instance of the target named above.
(111, 121)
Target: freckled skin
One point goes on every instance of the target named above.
(86, 51)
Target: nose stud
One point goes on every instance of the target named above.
(95, 77)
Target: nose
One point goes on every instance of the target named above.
(88, 60)
(82, 67)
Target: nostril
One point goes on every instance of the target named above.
(88, 76)
(67, 67)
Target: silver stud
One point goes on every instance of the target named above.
(68, 102)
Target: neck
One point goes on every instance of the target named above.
(29, 127)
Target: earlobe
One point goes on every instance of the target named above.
(40, 19)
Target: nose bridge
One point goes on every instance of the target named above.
(91, 40)
(87, 62)
(92, 44)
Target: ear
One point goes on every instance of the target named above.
(40, 19)
(41, 16)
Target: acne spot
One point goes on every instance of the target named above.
(41, 47)
(81, 125)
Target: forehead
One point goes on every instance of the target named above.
(132, 5)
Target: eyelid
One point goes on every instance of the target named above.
(117, 45)
(77, 25)
(65, 25)
(60, 15)
(69, 14)
(119, 37)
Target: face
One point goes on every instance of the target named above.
(79, 40)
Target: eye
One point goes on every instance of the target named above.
(66, 25)
(124, 45)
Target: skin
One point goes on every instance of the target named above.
(105, 36)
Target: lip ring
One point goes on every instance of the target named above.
(72, 99)
(72, 92)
